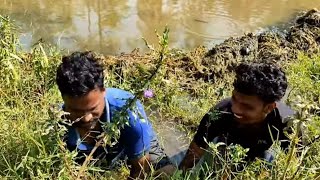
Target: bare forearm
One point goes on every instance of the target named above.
(139, 168)
(189, 161)
(192, 157)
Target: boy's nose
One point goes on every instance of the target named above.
(236, 110)
(87, 117)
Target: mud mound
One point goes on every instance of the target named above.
(202, 65)
(303, 36)
(133, 67)
(273, 47)
(312, 18)
(224, 57)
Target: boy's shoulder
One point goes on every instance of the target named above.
(117, 97)
(223, 105)
(284, 112)
(221, 113)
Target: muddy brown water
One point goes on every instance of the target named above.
(114, 26)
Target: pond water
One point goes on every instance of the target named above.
(115, 26)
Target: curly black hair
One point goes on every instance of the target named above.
(79, 73)
(267, 81)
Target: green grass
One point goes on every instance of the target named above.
(30, 136)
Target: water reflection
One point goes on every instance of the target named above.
(114, 26)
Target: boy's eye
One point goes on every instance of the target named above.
(248, 107)
(92, 109)
(76, 111)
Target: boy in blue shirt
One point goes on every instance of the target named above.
(80, 80)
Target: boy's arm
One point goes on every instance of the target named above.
(137, 142)
(139, 167)
(208, 129)
(192, 156)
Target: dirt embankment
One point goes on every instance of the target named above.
(208, 65)
(303, 36)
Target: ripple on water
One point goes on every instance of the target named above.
(212, 24)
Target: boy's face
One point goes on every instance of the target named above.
(249, 109)
(85, 111)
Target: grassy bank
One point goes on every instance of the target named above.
(30, 134)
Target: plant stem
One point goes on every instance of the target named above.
(89, 157)
(159, 64)
(300, 164)
(129, 104)
(317, 176)
(292, 149)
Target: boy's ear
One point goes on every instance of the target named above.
(270, 107)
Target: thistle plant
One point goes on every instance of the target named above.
(120, 119)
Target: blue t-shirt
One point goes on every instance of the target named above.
(135, 137)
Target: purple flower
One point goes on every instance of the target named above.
(148, 93)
